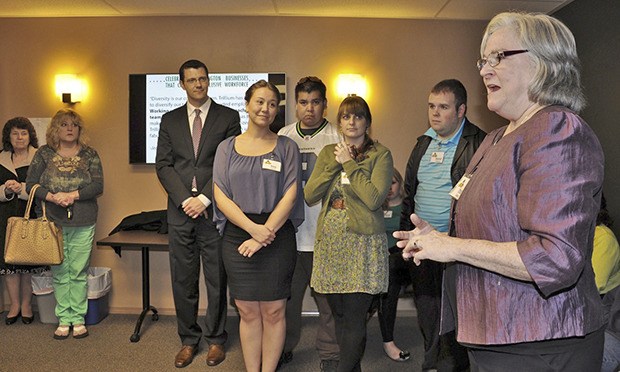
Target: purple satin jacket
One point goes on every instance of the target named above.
(540, 186)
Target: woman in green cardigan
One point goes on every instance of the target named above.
(352, 179)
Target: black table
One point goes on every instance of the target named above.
(143, 240)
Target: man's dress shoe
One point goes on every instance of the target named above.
(185, 356)
(216, 355)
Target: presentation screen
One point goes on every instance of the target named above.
(152, 95)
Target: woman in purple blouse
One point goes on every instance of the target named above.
(519, 286)
(258, 206)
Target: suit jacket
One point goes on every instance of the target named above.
(175, 161)
(470, 140)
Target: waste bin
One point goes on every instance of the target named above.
(99, 285)
(44, 295)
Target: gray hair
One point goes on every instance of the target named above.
(553, 50)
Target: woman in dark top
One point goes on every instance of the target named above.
(19, 143)
(71, 178)
(258, 205)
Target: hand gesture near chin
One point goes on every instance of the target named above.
(342, 152)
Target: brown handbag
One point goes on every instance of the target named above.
(33, 241)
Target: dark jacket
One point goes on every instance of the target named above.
(176, 164)
(471, 138)
(147, 221)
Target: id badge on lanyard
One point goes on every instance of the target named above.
(457, 190)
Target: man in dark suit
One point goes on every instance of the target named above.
(184, 167)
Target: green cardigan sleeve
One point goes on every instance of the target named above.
(325, 169)
(372, 186)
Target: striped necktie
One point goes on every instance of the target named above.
(196, 132)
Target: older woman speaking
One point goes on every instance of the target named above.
(519, 286)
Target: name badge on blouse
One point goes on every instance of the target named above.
(460, 186)
(344, 179)
(437, 157)
(271, 164)
(387, 214)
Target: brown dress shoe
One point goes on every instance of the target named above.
(216, 355)
(185, 356)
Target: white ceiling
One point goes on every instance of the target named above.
(406, 9)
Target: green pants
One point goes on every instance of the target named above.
(71, 276)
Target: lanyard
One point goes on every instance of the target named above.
(465, 179)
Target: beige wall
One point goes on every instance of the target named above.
(401, 60)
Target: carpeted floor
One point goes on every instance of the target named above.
(32, 348)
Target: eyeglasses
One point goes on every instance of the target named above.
(306, 79)
(192, 81)
(494, 58)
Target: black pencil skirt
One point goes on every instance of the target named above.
(267, 275)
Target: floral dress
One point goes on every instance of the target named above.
(347, 262)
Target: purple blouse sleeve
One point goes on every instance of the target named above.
(292, 176)
(560, 170)
(220, 178)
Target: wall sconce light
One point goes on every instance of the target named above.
(351, 85)
(70, 88)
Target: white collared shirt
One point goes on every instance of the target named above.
(191, 113)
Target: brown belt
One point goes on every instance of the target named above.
(337, 203)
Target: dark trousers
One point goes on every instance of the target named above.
(195, 241)
(388, 302)
(326, 343)
(350, 312)
(584, 355)
(441, 353)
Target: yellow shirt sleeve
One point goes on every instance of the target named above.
(605, 258)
